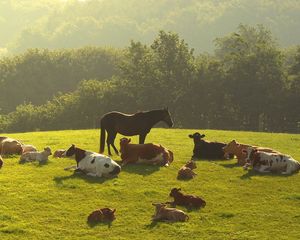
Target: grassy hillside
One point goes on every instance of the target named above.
(46, 202)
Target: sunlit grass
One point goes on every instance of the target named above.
(46, 202)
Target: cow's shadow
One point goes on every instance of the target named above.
(78, 175)
(229, 165)
(94, 224)
(251, 173)
(141, 169)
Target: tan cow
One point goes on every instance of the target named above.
(10, 146)
(237, 149)
(162, 213)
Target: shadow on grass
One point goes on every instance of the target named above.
(249, 174)
(37, 164)
(141, 169)
(229, 165)
(77, 175)
(94, 224)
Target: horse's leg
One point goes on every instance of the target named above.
(110, 141)
(142, 138)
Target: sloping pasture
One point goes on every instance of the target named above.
(46, 202)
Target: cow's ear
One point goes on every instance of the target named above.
(191, 135)
(179, 189)
(129, 140)
(202, 136)
(233, 141)
(114, 210)
(73, 145)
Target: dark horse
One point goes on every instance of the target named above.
(139, 123)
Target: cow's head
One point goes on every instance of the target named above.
(124, 142)
(48, 150)
(197, 136)
(250, 154)
(174, 192)
(107, 166)
(158, 206)
(191, 164)
(70, 152)
(109, 214)
(231, 147)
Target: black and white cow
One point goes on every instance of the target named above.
(208, 150)
(93, 164)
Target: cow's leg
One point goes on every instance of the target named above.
(142, 138)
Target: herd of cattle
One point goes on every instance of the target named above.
(260, 159)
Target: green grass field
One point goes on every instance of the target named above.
(46, 202)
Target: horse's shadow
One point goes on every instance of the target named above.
(249, 174)
(141, 169)
(76, 175)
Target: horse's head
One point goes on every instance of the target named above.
(167, 117)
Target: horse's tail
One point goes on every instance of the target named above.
(102, 138)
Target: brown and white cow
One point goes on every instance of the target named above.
(265, 162)
(237, 149)
(148, 153)
(162, 213)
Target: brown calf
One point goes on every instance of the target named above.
(59, 153)
(144, 153)
(102, 215)
(189, 201)
(186, 171)
(162, 213)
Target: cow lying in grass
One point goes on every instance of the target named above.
(93, 164)
(162, 213)
(102, 215)
(208, 150)
(41, 157)
(189, 201)
(10, 146)
(237, 149)
(186, 171)
(265, 162)
(28, 148)
(148, 153)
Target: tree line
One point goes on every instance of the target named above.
(249, 83)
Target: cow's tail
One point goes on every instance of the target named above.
(102, 138)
